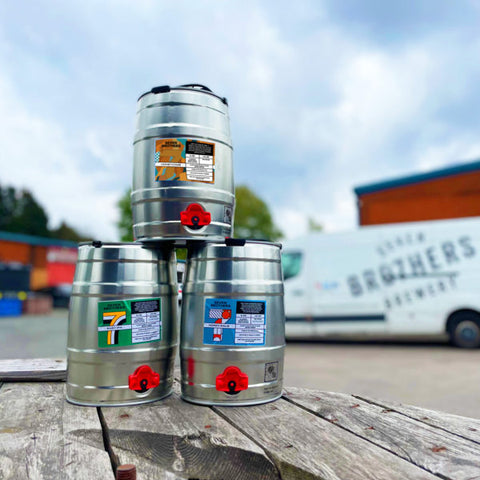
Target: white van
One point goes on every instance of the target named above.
(419, 278)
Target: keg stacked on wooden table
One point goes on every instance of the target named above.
(123, 313)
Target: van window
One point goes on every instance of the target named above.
(291, 264)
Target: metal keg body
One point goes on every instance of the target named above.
(182, 162)
(122, 336)
(233, 325)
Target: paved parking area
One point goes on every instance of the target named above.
(34, 336)
(431, 375)
(434, 376)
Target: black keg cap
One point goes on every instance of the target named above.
(241, 242)
(235, 242)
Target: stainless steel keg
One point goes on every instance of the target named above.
(122, 333)
(182, 173)
(233, 323)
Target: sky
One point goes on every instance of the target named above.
(323, 96)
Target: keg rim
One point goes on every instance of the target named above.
(186, 87)
(233, 242)
(148, 246)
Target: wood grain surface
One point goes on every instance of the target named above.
(185, 441)
(305, 435)
(43, 437)
(305, 446)
(428, 447)
(462, 426)
(33, 370)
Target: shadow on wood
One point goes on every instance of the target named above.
(194, 456)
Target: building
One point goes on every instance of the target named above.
(52, 261)
(445, 193)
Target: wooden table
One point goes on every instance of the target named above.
(306, 434)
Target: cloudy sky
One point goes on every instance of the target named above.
(324, 96)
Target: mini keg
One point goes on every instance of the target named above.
(233, 323)
(182, 166)
(122, 335)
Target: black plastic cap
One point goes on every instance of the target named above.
(235, 242)
(160, 89)
(97, 243)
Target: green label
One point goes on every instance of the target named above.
(129, 322)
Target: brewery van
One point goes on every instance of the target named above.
(409, 279)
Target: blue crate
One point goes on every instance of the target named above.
(10, 307)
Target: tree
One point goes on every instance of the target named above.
(252, 216)
(21, 213)
(66, 232)
(125, 222)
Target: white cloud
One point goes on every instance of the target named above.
(316, 106)
(384, 100)
(45, 158)
(459, 149)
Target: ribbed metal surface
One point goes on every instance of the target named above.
(183, 114)
(223, 277)
(98, 374)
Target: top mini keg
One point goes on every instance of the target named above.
(233, 323)
(122, 332)
(182, 173)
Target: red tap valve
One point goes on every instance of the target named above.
(143, 378)
(231, 381)
(195, 216)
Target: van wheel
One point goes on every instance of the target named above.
(464, 330)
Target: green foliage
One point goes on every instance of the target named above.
(314, 226)
(252, 217)
(181, 253)
(20, 213)
(126, 219)
(66, 232)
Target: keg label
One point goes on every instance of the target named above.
(129, 322)
(234, 322)
(183, 159)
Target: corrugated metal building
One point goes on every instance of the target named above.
(52, 261)
(445, 193)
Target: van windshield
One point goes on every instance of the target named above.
(291, 264)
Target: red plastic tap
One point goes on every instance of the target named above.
(143, 378)
(232, 381)
(195, 216)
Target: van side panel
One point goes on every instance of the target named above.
(394, 279)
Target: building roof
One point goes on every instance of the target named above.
(418, 178)
(34, 240)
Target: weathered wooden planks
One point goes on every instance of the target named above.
(43, 437)
(305, 446)
(434, 450)
(306, 435)
(463, 426)
(174, 439)
(33, 370)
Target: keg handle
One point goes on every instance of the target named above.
(197, 85)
